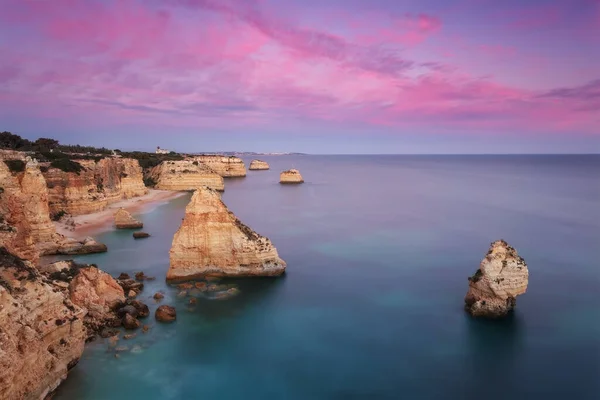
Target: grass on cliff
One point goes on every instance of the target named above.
(67, 165)
(150, 160)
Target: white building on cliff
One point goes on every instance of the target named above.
(161, 151)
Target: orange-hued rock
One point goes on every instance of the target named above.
(226, 166)
(41, 331)
(211, 241)
(501, 277)
(290, 176)
(124, 220)
(96, 186)
(96, 291)
(258, 165)
(26, 228)
(185, 175)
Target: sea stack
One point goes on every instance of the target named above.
(501, 277)
(291, 176)
(226, 166)
(211, 241)
(185, 175)
(258, 165)
(124, 220)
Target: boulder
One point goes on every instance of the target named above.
(158, 296)
(165, 313)
(501, 277)
(124, 220)
(141, 308)
(130, 322)
(140, 235)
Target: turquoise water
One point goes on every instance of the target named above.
(378, 250)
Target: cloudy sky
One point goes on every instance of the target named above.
(316, 76)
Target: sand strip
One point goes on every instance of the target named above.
(87, 224)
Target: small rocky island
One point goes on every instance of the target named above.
(258, 165)
(211, 241)
(291, 176)
(501, 277)
(124, 220)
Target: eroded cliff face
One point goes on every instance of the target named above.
(213, 242)
(26, 229)
(258, 165)
(96, 186)
(185, 175)
(501, 277)
(41, 331)
(226, 166)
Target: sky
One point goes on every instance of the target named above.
(313, 76)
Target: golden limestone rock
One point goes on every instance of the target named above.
(211, 241)
(501, 277)
(124, 220)
(290, 176)
(95, 186)
(258, 165)
(226, 166)
(41, 331)
(185, 175)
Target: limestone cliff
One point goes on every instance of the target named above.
(290, 176)
(41, 331)
(96, 186)
(25, 225)
(226, 166)
(185, 175)
(501, 277)
(258, 165)
(211, 241)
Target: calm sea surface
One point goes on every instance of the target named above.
(378, 250)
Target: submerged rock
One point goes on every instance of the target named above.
(290, 176)
(501, 277)
(124, 220)
(258, 165)
(211, 241)
(140, 235)
(165, 313)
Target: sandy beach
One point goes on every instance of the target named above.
(85, 225)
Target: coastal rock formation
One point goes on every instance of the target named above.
(97, 185)
(124, 220)
(140, 235)
(185, 175)
(25, 226)
(165, 314)
(226, 166)
(501, 277)
(290, 176)
(96, 291)
(258, 165)
(41, 332)
(211, 241)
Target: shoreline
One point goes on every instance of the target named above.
(87, 223)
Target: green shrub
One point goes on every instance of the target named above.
(66, 165)
(15, 165)
(58, 215)
(149, 182)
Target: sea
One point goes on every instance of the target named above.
(378, 251)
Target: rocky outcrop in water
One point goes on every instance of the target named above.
(25, 226)
(258, 165)
(291, 176)
(96, 186)
(501, 277)
(185, 175)
(226, 166)
(211, 241)
(41, 331)
(124, 220)
(165, 314)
